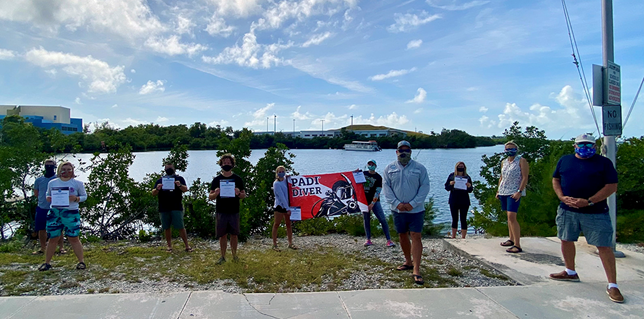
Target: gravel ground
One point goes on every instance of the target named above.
(638, 248)
(442, 267)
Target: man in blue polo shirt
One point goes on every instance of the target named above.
(40, 191)
(583, 181)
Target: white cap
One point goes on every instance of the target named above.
(585, 138)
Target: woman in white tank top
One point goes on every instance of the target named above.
(512, 184)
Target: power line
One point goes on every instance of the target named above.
(635, 100)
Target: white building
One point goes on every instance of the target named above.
(363, 130)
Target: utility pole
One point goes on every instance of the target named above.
(293, 126)
(351, 121)
(322, 126)
(267, 125)
(609, 144)
(274, 124)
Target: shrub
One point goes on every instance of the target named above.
(313, 227)
(352, 224)
(630, 226)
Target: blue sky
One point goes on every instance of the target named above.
(419, 65)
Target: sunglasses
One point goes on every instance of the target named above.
(510, 149)
(404, 151)
(589, 145)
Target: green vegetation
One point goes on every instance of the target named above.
(490, 274)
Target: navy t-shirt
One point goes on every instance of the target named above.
(227, 205)
(583, 178)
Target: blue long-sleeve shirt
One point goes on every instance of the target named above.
(406, 184)
(280, 189)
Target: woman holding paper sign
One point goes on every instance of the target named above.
(281, 209)
(64, 193)
(459, 184)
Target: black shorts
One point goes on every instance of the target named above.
(227, 224)
(280, 209)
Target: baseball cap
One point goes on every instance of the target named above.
(403, 143)
(372, 161)
(585, 138)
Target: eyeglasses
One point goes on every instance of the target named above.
(404, 151)
(66, 170)
(510, 149)
(589, 145)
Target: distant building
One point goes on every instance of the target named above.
(363, 130)
(46, 117)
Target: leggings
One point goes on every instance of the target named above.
(455, 213)
(380, 214)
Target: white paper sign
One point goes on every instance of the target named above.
(359, 177)
(168, 183)
(227, 188)
(296, 213)
(59, 197)
(460, 182)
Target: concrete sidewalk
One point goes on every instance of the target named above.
(539, 298)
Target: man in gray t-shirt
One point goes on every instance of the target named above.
(40, 191)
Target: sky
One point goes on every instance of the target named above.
(422, 65)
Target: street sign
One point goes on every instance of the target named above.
(612, 120)
(613, 85)
(598, 85)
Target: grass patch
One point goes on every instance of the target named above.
(490, 274)
(68, 284)
(454, 272)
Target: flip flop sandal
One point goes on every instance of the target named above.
(507, 243)
(81, 266)
(38, 252)
(418, 279)
(44, 267)
(168, 250)
(514, 249)
(62, 252)
(189, 250)
(404, 267)
(275, 248)
(292, 247)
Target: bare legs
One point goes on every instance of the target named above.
(289, 228)
(412, 250)
(73, 241)
(42, 237)
(514, 228)
(223, 242)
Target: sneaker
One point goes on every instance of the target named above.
(220, 261)
(614, 295)
(564, 276)
(390, 243)
(368, 243)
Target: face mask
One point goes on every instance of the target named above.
(404, 158)
(281, 174)
(169, 171)
(511, 152)
(585, 152)
(372, 167)
(227, 168)
(460, 169)
(50, 170)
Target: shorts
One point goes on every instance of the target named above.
(172, 218)
(59, 219)
(280, 209)
(227, 224)
(409, 222)
(41, 219)
(509, 204)
(597, 228)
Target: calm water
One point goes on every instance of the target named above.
(439, 163)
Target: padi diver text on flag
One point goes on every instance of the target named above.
(327, 195)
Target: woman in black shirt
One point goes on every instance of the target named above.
(459, 184)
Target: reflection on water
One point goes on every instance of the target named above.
(439, 163)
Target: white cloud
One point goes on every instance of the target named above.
(455, 5)
(96, 74)
(282, 11)
(130, 19)
(390, 120)
(132, 71)
(132, 122)
(406, 22)
(414, 44)
(183, 25)
(391, 74)
(115, 106)
(221, 123)
(172, 46)
(353, 107)
(51, 72)
(161, 119)
(217, 27)
(421, 94)
(572, 113)
(259, 116)
(152, 87)
(418, 111)
(301, 116)
(6, 54)
(77, 100)
(472, 89)
(317, 39)
(250, 53)
(483, 109)
(321, 71)
(237, 8)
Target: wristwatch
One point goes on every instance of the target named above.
(590, 203)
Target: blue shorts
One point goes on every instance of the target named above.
(41, 219)
(409, 222)
(597, 228)
(509, 204)
(59, 219)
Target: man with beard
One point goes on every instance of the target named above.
(171, 206)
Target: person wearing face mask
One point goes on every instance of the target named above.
(40, 191)
(63, 213)
(405, 189)
(459, 197)
(372, 189)
(171, 206)
(281, 207)
(228, 202)
(583, 181)
(512, 185)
